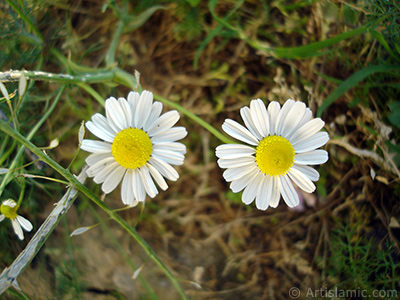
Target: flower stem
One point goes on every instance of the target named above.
(195, 118)
(84, 190)
(13, 165)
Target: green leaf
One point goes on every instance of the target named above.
(379, 37)
(134, 22)
(309, 50)
(215, 32)
(193, 3)
(351, 82)
(394, 115)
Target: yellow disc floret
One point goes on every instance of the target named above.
(132, 148)
(275, 155)
(9, 209)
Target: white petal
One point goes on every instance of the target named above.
(273, 112)
(171, 157)
(282, 116)
(96, 157)
(115, 115)
(163, 123)
(147, 181)
(305, 118)
(311, 173)
(260, 117)
(113, 179)
(248, 121)
(239, 132)
(165, 169)
(301, 180)
(237, 162)
(10, 203)
(127, 111)
(307, 130)
(233, 151)
(100, 166)
(232, 174)
(105, 172)
(172, 146)
(127, 194)
(315, 157)
(143, 109)
(17, 229)
(138, 188)
(156, 109)
(133, 99)
(2, 217)
(95, 146)
(275, 193)
(100, 128)
(264, 193)
(317, 140)
(157, 177)
(250, 192)
(239, 184)
(172, 135)
(293, 118)
(25, 224)
(289, 194)
(101, 122)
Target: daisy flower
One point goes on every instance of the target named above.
(138, 147)
(282, 142)
(8, 210)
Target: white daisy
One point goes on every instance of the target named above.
(139, 146)
(282, 143)
(9, 210)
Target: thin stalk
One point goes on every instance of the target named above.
(84, 190)
(110, 55)
(26, 19)
(7, 177)
(195, 118)
(102, 76)
(92, 92)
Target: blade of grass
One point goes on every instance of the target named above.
(379, 37)
(26, 20)
(307, 51)
(215, 32)
(351, 82)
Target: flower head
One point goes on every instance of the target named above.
(8, 210)
(282, 142)
(138, 147)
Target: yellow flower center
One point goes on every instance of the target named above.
(8, 211)
(275, 155)
(132, 148)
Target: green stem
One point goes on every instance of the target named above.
(92, 92)
(84, 190)
(110, 56)
(13, 165)
(195, 118)
(104, 76)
